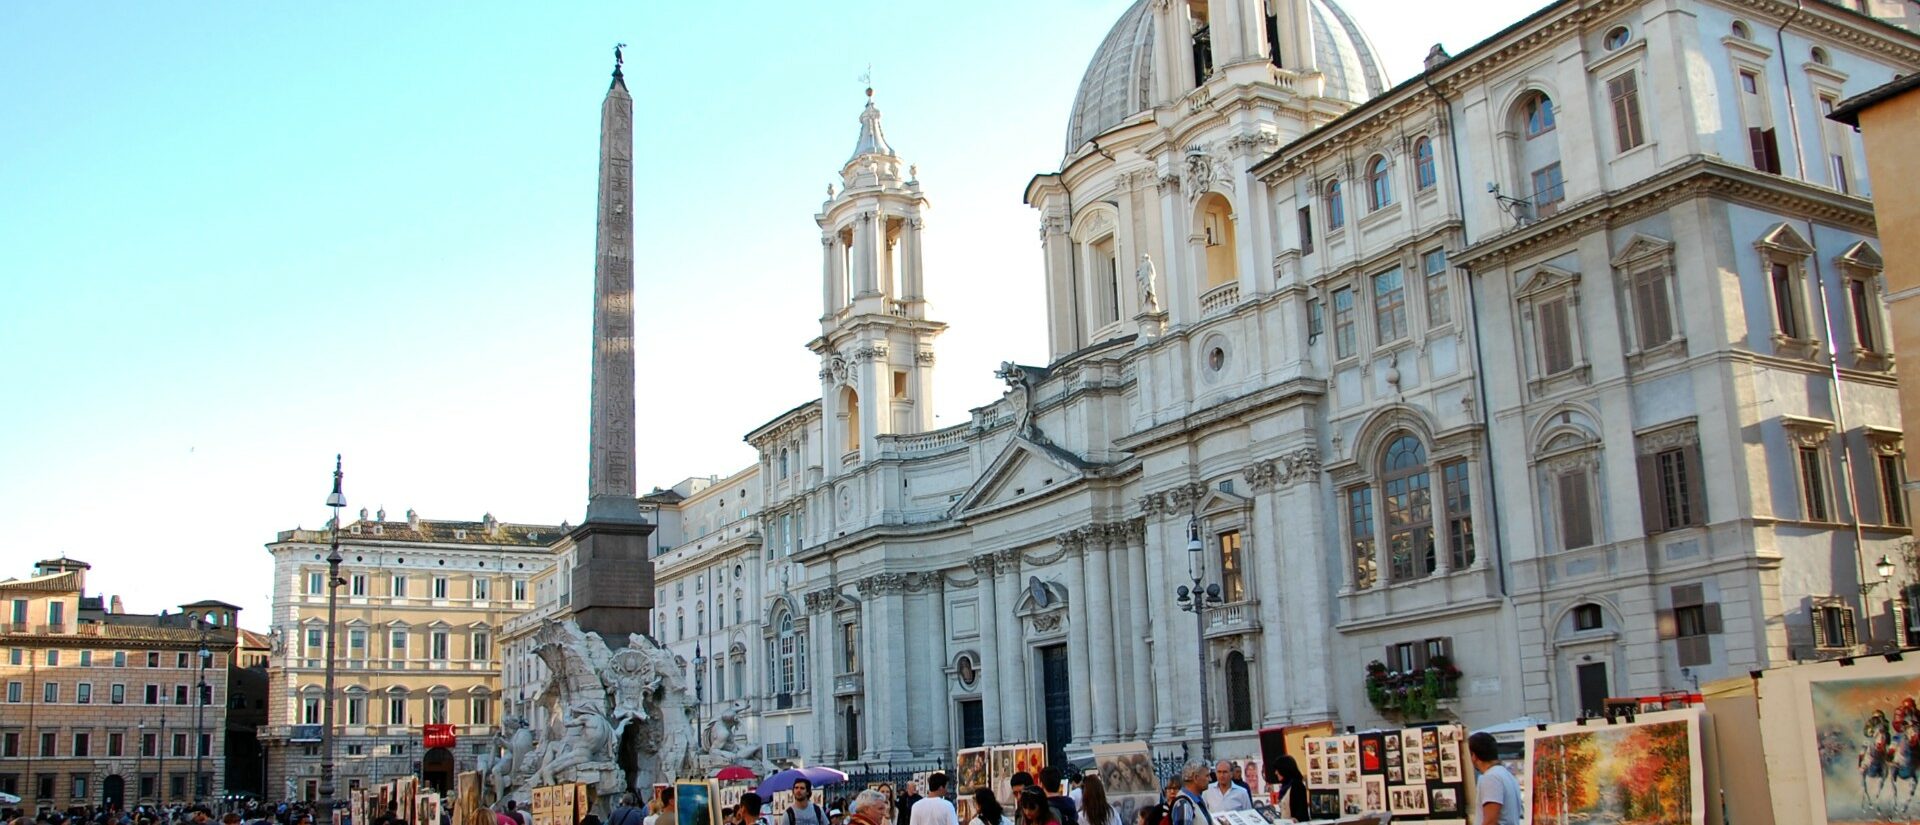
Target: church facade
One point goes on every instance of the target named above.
(1558, 372)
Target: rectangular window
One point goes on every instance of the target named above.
(398, 588)
(438, 642)
(56, 612)
(356, 710)
(1316, 320)
(83, 694)
(850, 648)
(396, 710)
(118, 694)
(82, 744)
(53, 658)
(1677, 488)
(439, 587)
(1576, 508)
(1813, 484)
(116, 744)
(480, 710)
(1765, 148)
(357, 585)
(180, 695)
(1390, 306)
(482, 588)
(10, 744)
(1652, 314)
(48, 743)
(310, 710)
(181, 660)
(316, 642)
(1233, 573)
(1306, 230)
(1459, 495)
(153, 694)
(1555, 328)
(437, 710)
(180, 744)
(482, 647)
(1360, 536)
(1624, 91)
(1893, 500)
(153, 658)
(50, 692)
(1549, 189)
(149, 744)
(119, 658)
(1434, 265)
(397, 644)
(1336, 209)
(1345, 338)
(316, 583)
(1833, 626)
(1786, 301)
(1838, 164)
(14, 691)
(86, 658)
(1860, 295)
(519, 590)
(19, 611)
(206, 745)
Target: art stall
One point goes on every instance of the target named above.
(1634, 769)
(1127, 770)
(1413, 774)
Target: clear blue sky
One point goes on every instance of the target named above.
(236, 238)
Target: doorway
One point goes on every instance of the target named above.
(1591, 680)
(113, 792)
(436, 768)
(1058, 700)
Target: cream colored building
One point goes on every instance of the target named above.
(420, 614)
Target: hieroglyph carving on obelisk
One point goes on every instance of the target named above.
(610, 480)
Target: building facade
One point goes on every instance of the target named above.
(420, 609)
(104, 707)
(1555, 373)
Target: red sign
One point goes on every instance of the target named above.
(437, 736)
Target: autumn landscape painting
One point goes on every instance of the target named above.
(1629, 773)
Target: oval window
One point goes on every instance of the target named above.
(1617, 37)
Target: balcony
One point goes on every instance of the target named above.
(850, 458)
(781, 750)
(1219, 299)
(846, 684)
(1233, 619)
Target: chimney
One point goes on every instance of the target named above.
(113, 605)
(1437, 56)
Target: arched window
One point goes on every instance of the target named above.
(1335, 209)
(1423, 163)
(850, 411)
(700, 618)
(1379, 186)
(680, 624)
(1408, 509)
(783, 463)
(1239, 693)
(1741, 31)
(1537, 110)
(1216, 227)
(738, 599)
(789, 650)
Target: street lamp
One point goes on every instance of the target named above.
(200, 709)
(1198, 600)
(338, 501)
(139, 757)
(699, 682)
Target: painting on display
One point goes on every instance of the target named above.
(1868, 743)
(357, 806)
(1643, 772)
(406, 792)
(1030, 758)
(553, 805)
(466, 799)
(1126, 768)
(1000, 767)
(1400, 772)
(970, 770)
(695, 803)
(427, 808)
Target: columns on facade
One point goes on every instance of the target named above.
(873, 700)
(931, 695)
(913, 275)
(1098, 553)
(1063, 327)
(1139, 614)
(987, 569)
(1014, 687)
(829, 276)
(1079, 663)
(1290, 483)
(864, 256)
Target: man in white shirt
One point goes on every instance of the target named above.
(1498, 790)
(934, 808)
(1223, 795)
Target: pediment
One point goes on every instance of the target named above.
(1863, 256)
(1783, 237)
(1640, 248)
(1040, 596)
(1219, 502)
(1024, 469)
(1547, 278)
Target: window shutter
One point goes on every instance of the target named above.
(1696, 485)
(1667, 626)
(1696, 651)
(1711, 617)
(1652, 514)
(1819, 626)
(1846, 626)
(1392, 658)
(1773, 151)
(1757, 145)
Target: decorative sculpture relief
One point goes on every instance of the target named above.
(1280, 471)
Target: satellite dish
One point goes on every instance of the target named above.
(1037, 589)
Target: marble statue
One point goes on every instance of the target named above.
(1149, 299)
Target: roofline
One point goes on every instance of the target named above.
(1849, 110)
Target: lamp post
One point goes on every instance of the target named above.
(139, 765)
(1198, 600)
(200, 709)
(1884, 567)
(338, 501)
(160, 749)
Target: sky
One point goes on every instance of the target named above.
(239, 238)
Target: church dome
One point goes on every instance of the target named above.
(1119, 81)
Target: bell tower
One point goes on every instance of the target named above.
(876, 342)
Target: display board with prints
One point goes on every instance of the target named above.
(1417, 774)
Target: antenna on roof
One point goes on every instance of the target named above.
(866, 79)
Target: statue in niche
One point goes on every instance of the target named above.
(1149, 297)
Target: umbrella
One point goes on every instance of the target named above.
(734, 773)
(8, 799)
(783, 781)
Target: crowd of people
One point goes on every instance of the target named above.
(251, 813)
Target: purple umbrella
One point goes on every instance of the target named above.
(783, 781)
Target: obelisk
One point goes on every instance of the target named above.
(612, 587)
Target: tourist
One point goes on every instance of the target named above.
(1223, 795)
(1076, 790)
(935, 809)
(803, 811)
(1240, 780)
(513, 810)
(664, 814)
(836, 817)
(748, 811)
(1094, 808)
(1036, 809)
(903, 806)
(870, 808)
(1286, 782)
(1190, 807)
(987, 810)
(1050, 781)
(1498, 791)
(1019, 782)
(628, 813)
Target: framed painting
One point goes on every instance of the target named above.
(695, 803)
(1645, 771)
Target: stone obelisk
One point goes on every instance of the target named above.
(612, 588)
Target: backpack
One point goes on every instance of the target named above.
(819, 815)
